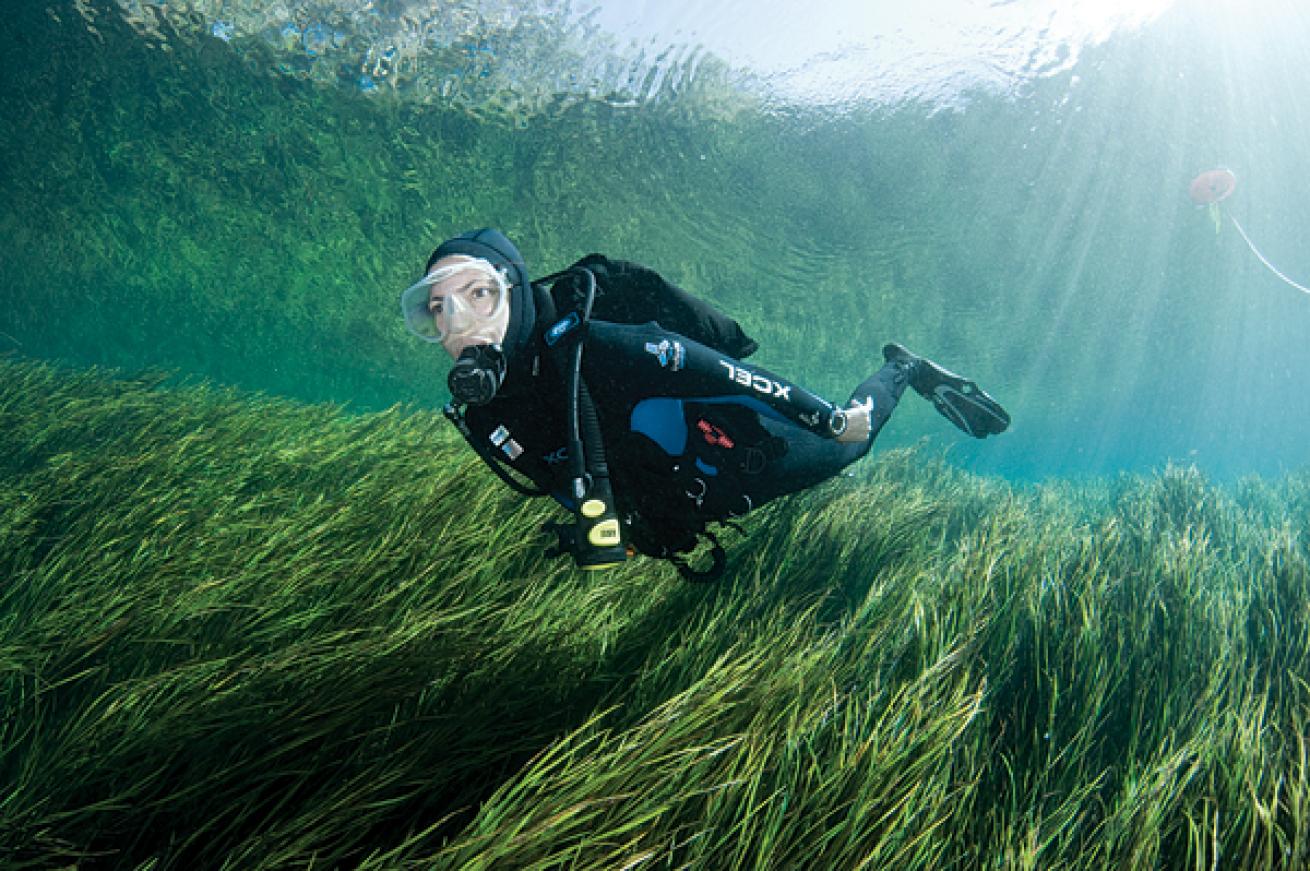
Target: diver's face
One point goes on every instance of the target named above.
(467, 306)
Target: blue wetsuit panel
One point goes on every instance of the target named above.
(660, 419)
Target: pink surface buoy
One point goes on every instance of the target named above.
(1212, 186)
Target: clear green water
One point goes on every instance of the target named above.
(259, 634)
(246, 209)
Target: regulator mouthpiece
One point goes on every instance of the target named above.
(477, 374)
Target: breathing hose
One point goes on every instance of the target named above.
(597, 539)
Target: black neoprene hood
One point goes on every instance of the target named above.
(492, 246)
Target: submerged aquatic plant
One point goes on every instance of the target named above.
(244, 632)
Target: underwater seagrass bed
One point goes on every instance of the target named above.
(243, 632)
(244, 628)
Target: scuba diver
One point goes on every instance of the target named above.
(626, 399)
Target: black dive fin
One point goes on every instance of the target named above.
(955, 397)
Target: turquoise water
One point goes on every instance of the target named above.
(239, 191)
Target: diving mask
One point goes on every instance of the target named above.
(467, 299)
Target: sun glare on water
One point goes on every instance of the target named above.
(860, 52)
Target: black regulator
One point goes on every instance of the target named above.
(477, 374)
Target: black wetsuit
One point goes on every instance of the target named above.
(691, 434)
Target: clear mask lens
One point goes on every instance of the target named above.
(457, 300)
